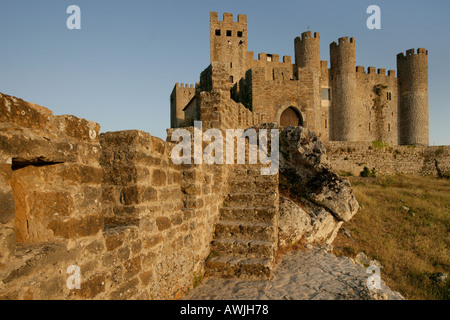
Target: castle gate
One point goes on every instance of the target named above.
(291, 117)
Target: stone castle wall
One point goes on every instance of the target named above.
(352, 157)
(137, 226)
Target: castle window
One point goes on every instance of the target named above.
(326, 93)
(389, 127)
(326, 124)
(369, 126)
(228, 33)
(231, 64)
(239, 34)
(231, 79)
(217, 32)
(389, 95)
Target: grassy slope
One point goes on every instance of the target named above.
(411, 245)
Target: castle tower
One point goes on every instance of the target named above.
(413, 96)
(307, 51)
(180, 97)
(228, 40)
(344, 97)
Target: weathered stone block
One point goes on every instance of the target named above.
(51, 204)
(150, 242)
(7, 206)
(91, 287)
(79, 128)
(76, 228)
(82, 174)
(23, 114)
(114, 238)
(163, 223)
(137, 194)
(159, 178)
(7, 244)
(132, 267)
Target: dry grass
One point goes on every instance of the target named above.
(413, 246)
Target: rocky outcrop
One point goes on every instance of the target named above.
(316, 201)
(310, 223)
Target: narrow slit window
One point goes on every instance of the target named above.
(231, 79)
(326, 94)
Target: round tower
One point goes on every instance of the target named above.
(307, 51)
(344, 97)
(412, 70)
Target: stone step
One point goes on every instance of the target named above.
(249, 214)
(264, 199)
(247, 186)
(243, 248)
(246, 268)
(242, 230)
(253, 176)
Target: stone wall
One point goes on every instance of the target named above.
(170, 209)
(377, 96)
(352, 157)
(218, 111)
(137, 226)
(51, 215)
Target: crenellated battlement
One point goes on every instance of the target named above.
(343, 41)
(375, 71)
(183, 85)
(412, 52)
(228, 18)
(268, 57)
(307, 35)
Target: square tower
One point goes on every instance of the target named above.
(228, 40)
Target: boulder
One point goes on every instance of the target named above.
(317, 201)
(306, 221)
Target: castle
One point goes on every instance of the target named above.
(340, 103)
(138, 226)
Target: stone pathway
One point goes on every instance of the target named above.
(311, 274)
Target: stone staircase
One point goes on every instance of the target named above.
(246, 236)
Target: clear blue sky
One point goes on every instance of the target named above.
(120, 68)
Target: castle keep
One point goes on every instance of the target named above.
(340, 102)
